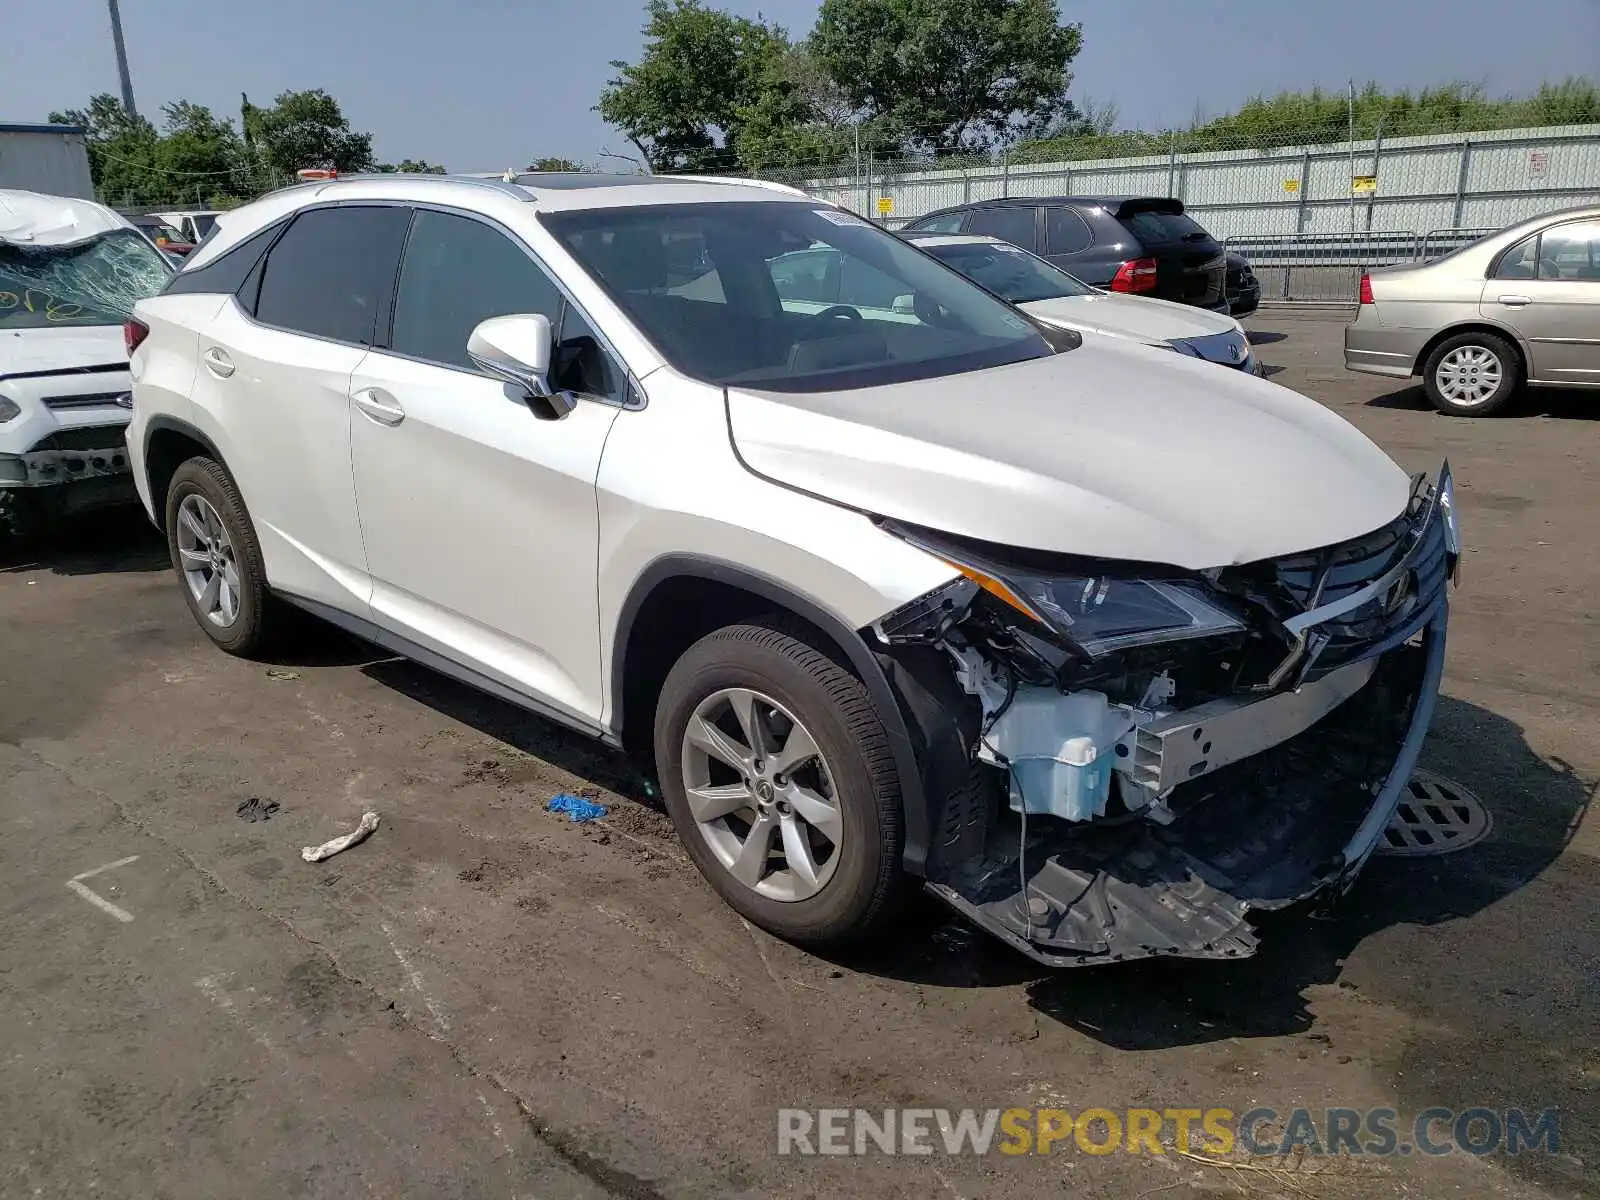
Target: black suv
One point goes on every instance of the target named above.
(1142, 244)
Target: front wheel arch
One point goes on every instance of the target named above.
(728, 594)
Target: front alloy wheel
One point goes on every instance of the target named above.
(761, 794)
(778, 774)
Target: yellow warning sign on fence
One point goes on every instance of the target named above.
(885, 205)
(1364, 185)
(1291, 186)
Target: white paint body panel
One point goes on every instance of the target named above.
(481, 526)
(1136, 317)
(1115, 450)
(510, 544)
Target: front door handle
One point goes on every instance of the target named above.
(380, 406)
(1515, 301)
(218, 362)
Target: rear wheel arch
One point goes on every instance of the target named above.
(678, 599)
(1502, 332)
(168, 444)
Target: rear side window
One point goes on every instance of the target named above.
(1065, 231)
(1009, 224)
(332, 270)
(1160, 228)
(225, 275)
(1521, 261)
(944, 223)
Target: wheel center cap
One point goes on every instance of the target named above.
(764, 792)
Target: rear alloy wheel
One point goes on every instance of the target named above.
(215, 553)
(780, 781)
(1472, 374)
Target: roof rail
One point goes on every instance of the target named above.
(497, 182)
(769, 184)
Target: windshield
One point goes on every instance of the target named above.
(783, 296)
(1009, 272)
(93, 282)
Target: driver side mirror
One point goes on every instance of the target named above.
(518, 349)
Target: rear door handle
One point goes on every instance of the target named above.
(218, 362)
(380, 406)
(1515, 301)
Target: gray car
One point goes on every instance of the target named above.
(1521, 306)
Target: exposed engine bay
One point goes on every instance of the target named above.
(1126, 760)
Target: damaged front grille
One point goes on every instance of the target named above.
(1355, 600)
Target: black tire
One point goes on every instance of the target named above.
(251, 627)
(835, 707)
(1510, 366)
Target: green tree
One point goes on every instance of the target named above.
(685, 102)
(122, 148)
(950, 76)
(553, 164)
(305, 129)
(410, 166)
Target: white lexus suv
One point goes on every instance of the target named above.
(1105, 647)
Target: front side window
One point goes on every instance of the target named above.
(93, 282)
(1008, 223)
(897, 315)
(1010, 273)
(331, 271)
(458, 272)
(1571, 252)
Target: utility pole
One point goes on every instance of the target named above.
(122, 61)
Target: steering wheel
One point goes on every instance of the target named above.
(837, 310)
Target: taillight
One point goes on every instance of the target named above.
(1366, 289)
(134, 333)
(1135, 275)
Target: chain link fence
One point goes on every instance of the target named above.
(1307, 216)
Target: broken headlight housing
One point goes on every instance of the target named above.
(1099, 609)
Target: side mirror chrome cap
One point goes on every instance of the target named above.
(515, 348)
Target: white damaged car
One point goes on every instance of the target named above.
(70, 273)
(1052, 295)
(1108, 648)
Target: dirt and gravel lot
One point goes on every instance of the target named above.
(485, 1000)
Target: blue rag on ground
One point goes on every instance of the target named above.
(577, 808)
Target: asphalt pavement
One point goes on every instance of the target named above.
(484, 999)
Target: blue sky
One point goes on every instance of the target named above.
(485, 84)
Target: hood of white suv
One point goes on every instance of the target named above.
(29, 351)
(1136, 317)
(1113, 450)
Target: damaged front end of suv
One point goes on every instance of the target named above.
(1126, 760)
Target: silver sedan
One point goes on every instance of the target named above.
(1521, 306)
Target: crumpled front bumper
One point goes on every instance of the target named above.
(1295, 823)
(1287, 806)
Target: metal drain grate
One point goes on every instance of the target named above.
(1435, 816)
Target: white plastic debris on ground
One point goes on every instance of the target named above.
(369, 822)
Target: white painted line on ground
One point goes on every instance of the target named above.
(416, 980)
(101, 902)
(211, 988)
(494, 1124)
